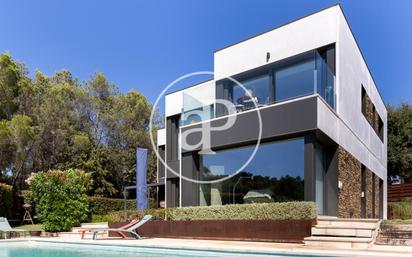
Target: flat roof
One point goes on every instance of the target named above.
(287, 23)
(277, 27)
(187, 87)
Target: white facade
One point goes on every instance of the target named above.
(346, 125)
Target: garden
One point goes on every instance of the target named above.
(60, 202)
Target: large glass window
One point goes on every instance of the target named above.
(294, 77)
(258, 89)
(275, 173)
(295, 80)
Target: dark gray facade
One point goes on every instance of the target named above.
(297, 118)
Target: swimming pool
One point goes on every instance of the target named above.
(40, 249)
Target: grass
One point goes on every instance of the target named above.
(397, 222)
(36, 227)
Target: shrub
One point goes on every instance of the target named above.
(158, 214)
(401, 210)
(6, 200)
(27, 197)
(60, 198)
(102, 205)
(256, 211)
(101, 218)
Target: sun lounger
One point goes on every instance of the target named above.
(121, 231)
(5, 228)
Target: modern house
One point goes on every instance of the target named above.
(312, 106)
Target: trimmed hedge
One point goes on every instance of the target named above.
(260, 211)
(6, 200)
(400, 210)
(158, 214)
(102, 205)
(257, 211)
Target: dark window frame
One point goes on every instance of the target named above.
(224, 87)
(363, 99)
(378, 127)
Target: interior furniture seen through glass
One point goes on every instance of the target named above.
(295, 77)
(275, 174)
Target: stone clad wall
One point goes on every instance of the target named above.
(377, 195)
(349, 200)
(349, 173)
(369, 194)
(371, 115)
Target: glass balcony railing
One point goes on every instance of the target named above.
(197, 107)
(299, 76)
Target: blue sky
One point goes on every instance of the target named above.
(145, 45)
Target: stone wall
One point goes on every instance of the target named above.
(370, 114)
(369, 193)
(349, 173)
(377, 196)
(350, 200)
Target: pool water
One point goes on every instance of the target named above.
(39, 249)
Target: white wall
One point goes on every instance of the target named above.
(352, 72)
(161, 137)
(205, 92)
(347, 125)
(306, 34)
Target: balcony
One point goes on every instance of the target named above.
(299, 76)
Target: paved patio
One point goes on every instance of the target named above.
(257, 247)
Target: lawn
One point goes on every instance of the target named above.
(36, 227)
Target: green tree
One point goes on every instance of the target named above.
(7, 148)
(400, 141)
(57, 122)
(11, 75)
(22, 136)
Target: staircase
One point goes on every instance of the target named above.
(400, 235)
(343, 233)
(76, 234)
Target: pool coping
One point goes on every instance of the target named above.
(230, 247)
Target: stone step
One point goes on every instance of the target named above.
(397, 234)
(78, 235)
(339, 242)
(95, 225)
(333, 218)
(331, 230)
(384, 240)
(390, 228)
(345, 223)
(78, 229)
(91, 226)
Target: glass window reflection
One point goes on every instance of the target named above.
(275, 174)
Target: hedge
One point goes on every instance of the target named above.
(102, 205)
(400, 210)
(6, 200)
(158, 214)
(257, 211)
